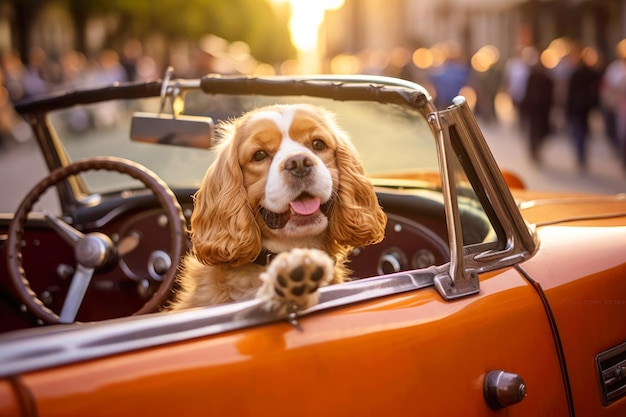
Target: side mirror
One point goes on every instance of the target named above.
(164, 129)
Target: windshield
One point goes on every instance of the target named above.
(389, 138)
(395, 143)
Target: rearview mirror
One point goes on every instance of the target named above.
(186, 131)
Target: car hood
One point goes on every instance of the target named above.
(542, 209)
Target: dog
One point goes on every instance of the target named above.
(278, 211)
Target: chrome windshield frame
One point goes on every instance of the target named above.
(519, 238)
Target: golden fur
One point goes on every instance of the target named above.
(228, 231)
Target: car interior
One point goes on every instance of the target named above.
(138, 220)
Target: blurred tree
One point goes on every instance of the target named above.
(251, 21)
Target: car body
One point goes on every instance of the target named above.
(483, 299)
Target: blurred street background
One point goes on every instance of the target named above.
(546, 78)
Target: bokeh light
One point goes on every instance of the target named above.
(620, 49)
(590, 56)
(470, 96)
(504, 108)
(549, 58)
(485, 58)
(557, 50)
(439, 53)
(423, 58)
(560, 46)
(345, 64)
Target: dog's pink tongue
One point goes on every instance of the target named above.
(305, 206)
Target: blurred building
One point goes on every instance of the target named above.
(377, 29)
(385, 24)
(59, 27)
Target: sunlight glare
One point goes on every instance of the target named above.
(306, 18)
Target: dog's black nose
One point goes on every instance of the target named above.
(299, 165)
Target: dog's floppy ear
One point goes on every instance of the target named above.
(223, 226)
(356, 218)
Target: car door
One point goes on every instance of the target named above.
(582, 269)
(406, 354)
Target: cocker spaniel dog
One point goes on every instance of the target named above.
(278, 212)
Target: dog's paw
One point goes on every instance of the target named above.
(292, 279)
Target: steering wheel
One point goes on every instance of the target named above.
(91, 250)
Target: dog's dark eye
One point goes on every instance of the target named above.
(318, 145)
(259, 156)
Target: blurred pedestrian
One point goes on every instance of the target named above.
(620, 117)
(449, 78)
(561, 74)
(12, 126)
(13, 75)
(515, 76)
(610, 87)
(74, 77)
(106, 71)
(582, 97)
(486, 81)
(37, 78)
(536, 103)
(132, 52)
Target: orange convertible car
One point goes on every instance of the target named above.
(483, 299)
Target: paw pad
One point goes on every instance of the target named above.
(294, 277)
(299, 280)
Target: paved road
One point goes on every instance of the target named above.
(558, 170)
(21, 165)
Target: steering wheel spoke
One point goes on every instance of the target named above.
(76, 294)
(67, 232)
(91, 250)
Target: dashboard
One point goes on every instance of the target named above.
(416, 237)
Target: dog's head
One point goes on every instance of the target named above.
(285, 176)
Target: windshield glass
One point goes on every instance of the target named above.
(389, 138)
(394, 143)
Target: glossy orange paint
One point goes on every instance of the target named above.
(9, 400)
(585, 292)
(513, 180)
(407, 354)
(590, 211)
